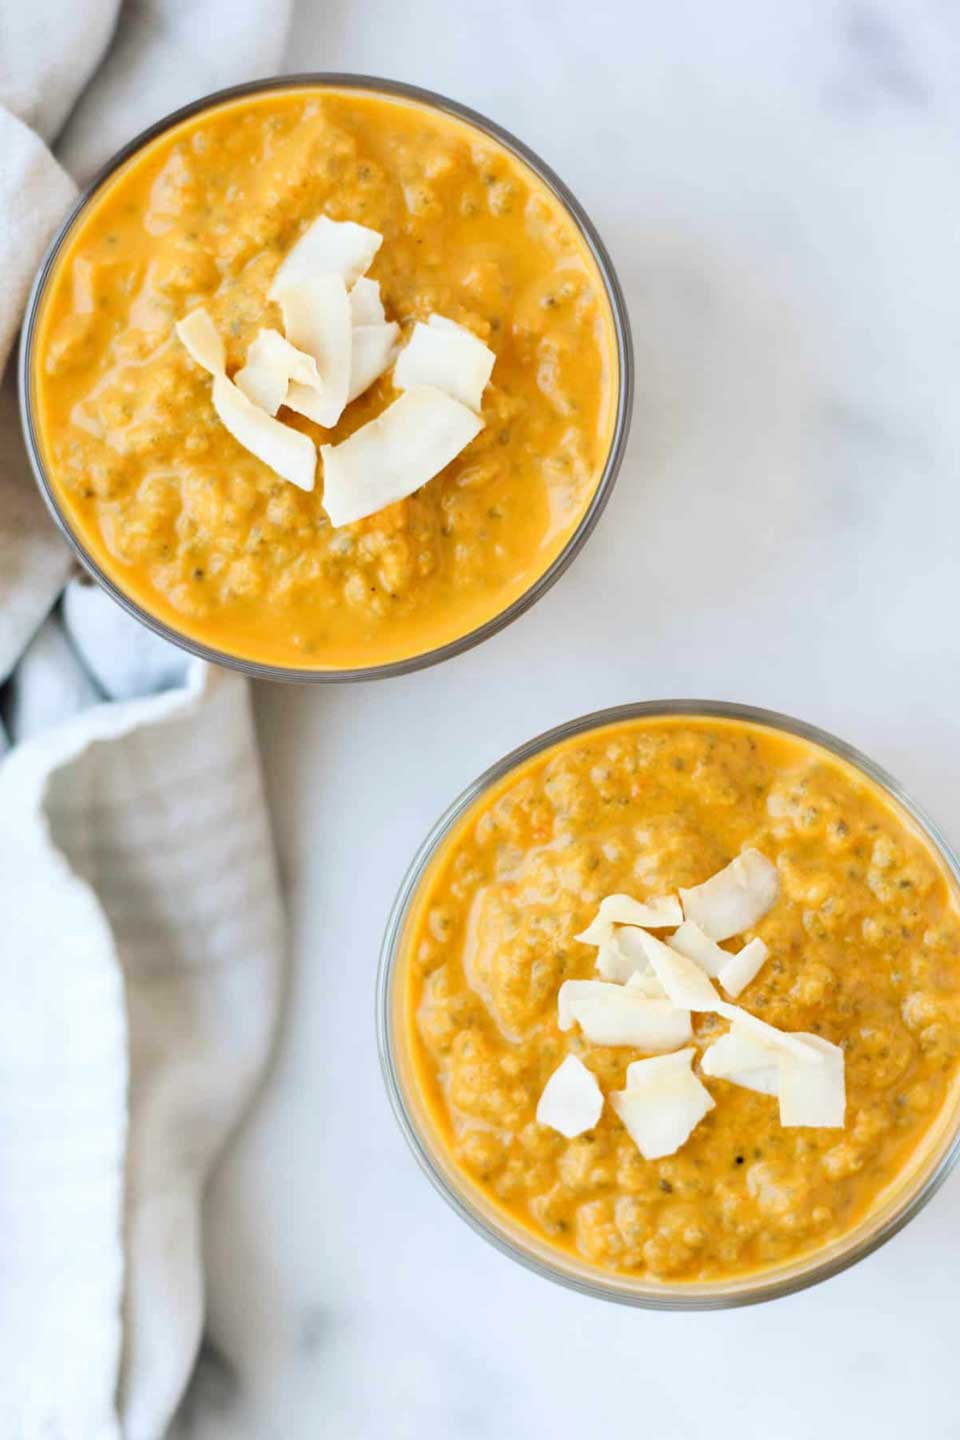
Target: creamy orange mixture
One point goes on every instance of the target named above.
(202, 534)
(864, 950)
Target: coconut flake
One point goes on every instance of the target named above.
(198, 334)
(272, 362)
(619, 1015)
(738, 970)
(740, 1049)
(366, 307)
(657, 913)
(287, 451)
(813, 1095)
(447, 356)
(685, 983)
(804, 1070)
(647, 983)
(690, 940)
(316, 318)
(662, 1104)
(599, 932)
(765, 1079)
(743, 1059)
(735, 898)
(328, 247)
(374, 348)
(566, 999)
(572, 1100)
(389, 458)
(612, 964)
(453, 327)
(622, 955)
(781, 1040)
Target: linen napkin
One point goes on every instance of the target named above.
(141, 931)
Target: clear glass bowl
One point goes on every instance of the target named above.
(618, 439)
(900, 1202)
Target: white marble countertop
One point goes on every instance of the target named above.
(778, 187)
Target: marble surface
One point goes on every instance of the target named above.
(778, 186)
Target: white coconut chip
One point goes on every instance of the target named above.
(366, 307)
(198, 335)
(316, 318)
(765, 1080)
(566, 999)
(774, 1062)
(662, 1104)
(572, 1100)
(612, 964)
(272, 362)
(782, 1040)
(447, 356)
(735, 898)
(690, 940)
(599, 932)
(647, 983)
(622, 955)
(287, 451)
(374, 349)
(328, 247)
(441, 322)
(389, 458)
(813, 1095)
(738, 970)
(619, 1015)
(743, 1059)
(659, 912)
(685, 983)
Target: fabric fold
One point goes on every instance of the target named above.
(142, 949)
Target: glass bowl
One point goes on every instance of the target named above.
(624, 388)
(898, 1204)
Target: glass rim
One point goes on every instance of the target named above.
(756, 1287)
(618, 438)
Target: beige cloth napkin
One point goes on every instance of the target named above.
(141, 936)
